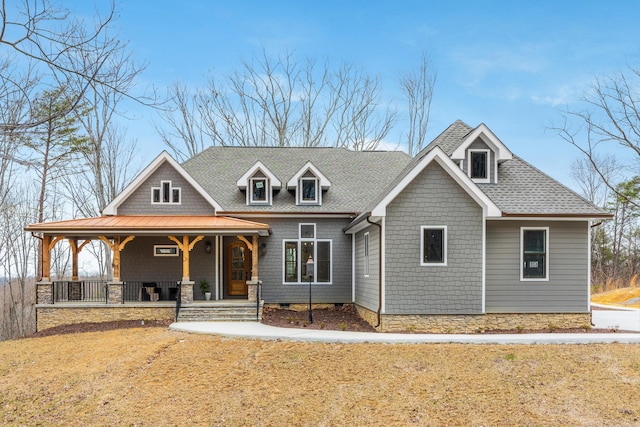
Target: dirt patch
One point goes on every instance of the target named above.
(341, 318)
(101, 326)
(154, 377)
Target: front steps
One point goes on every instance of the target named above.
(219, 311)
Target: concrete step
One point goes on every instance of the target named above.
(220, 312)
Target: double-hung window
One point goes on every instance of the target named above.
(534, 253)
(297, 253)
(259, 190)
(433, 245)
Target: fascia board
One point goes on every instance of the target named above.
(489, 208)
(243, 182)
(324, 182)
(483, 132)
(112, 208)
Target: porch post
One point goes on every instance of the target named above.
(74, 258)
(116, 246)
(46, 258)
(254, 259)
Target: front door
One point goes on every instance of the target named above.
(237, 268)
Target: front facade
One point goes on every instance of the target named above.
(463, 237)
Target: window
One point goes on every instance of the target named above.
(433, 247)
(298, 251)
(366, 254)
(309, 190)
(165, 250)
(259, 190)
(479, 165)
(165, 194)
(534, 253)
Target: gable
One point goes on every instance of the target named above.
(452, 169)
(138, 198)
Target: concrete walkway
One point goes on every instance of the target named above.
(628, 320)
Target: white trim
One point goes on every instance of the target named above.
(487, 165)
(300, 231)
(243, 181)
(490, 209)
(365, 254)
(317, 191)
(589, 266)
(161, 194)
(444, 246)
(164, 157)
(267, 191)
(484, 267)
(309, 167)
(547, 255)
(543, 218)
(383, 267)
(488, 137)
(353, 268)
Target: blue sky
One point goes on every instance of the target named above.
(512, 65)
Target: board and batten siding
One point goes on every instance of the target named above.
(271, 262)
(433, 198)
(566, 291)
(367, 289)
(139, 203)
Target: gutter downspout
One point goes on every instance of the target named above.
(379, 313)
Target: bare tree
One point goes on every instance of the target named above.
(45, 34)
(608, 121)
(278, 102)
(417, 86)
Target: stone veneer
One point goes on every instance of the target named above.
(474, 323)
(51, 316)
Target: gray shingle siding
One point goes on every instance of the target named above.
(367, 288)
(567, 288)
(433, 198)
(271, 263)
(139, 203)
(139, 264)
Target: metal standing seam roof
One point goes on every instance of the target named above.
(149, 224)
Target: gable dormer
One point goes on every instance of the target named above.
(479, 155)
(259, 183)
(308, 184)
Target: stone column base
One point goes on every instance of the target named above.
(186, 292)
(253, 287)
(115, 292)
(44, 293)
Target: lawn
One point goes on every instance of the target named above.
(624, 297)
(155, 377)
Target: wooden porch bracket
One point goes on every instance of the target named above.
(116, 246)
(75, 250)
(253, 247)
(48, 242)
(186, 248)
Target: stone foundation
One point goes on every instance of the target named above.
(48, 317)
(474, 323)
(301, 307)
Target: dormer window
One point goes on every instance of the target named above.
(259, 190)
(308, 184)
(259, 184)
(309, 188)
(165, 194)
(479, 165)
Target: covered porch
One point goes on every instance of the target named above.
(155, 259)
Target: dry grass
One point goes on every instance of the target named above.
(620, 297)
(150, 377)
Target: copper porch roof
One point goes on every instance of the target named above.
(150, 224)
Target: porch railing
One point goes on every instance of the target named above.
(80, 290)
(150, 291)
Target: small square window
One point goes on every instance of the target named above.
(434, 245)
(156, 195)
(175, 197)
(307, 231)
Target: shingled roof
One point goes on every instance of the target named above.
(357, 177)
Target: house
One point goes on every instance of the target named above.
(464, 237)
